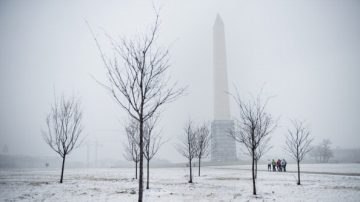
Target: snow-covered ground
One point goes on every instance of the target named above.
(228, 183)
(325, 168)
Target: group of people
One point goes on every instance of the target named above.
(279, 165)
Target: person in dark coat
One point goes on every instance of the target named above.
(278, 165)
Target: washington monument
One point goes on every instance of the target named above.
(223, 147)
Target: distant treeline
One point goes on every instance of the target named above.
(23, 161)
(346, 156)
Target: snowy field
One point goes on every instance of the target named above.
(228, 183)
(313, 168)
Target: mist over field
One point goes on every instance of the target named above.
(235, 86)
(306, 54)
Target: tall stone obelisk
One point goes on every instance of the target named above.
(223, 147)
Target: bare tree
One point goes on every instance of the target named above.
(202, 143)
(63, 128)
(316, 153)
(188, 147)
(326, 151)
(137, 80)
(152, 144)
(298, 142)
(322, 152)
(253, 127)
(132, 150)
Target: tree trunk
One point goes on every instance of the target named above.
(253, 172)
(199, 165)
(298, 165)
(190, 181)
(256, 169)
(136, 167)
(62, 169)
(141, 188)
(147, 172)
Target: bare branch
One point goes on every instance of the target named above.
(152, 140)
(64, 126)
(132, 151)
(202, 141)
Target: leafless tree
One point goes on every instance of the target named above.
(132, 150)
(298, 142)
(152, 144)
(253, 128)
(326, 151)
(137, 80)
(64, 128)
(202, 143)
(316, 153)
(322, 152)
(188, 146)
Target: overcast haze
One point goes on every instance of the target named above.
(305, 53)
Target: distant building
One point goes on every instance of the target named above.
(223, 147)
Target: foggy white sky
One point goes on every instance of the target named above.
(307, 53)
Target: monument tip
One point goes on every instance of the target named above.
(218, 20)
